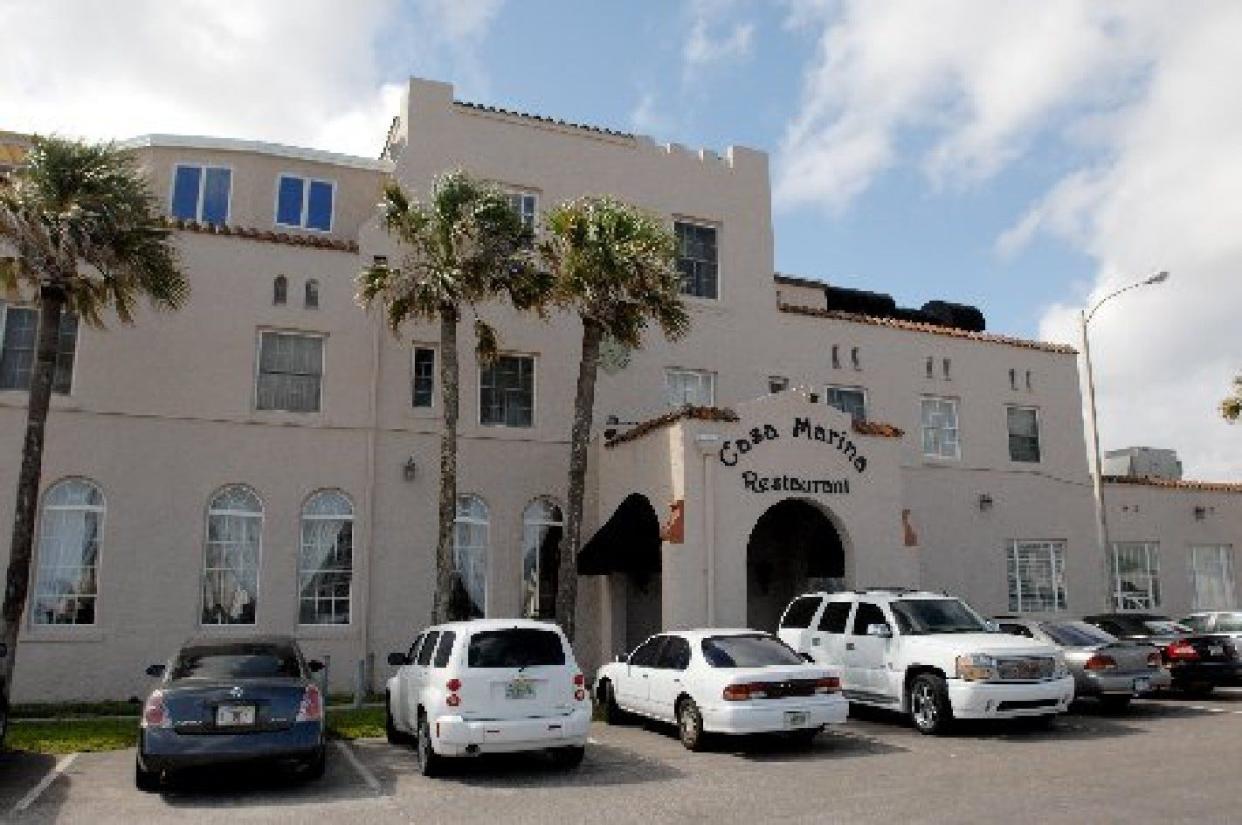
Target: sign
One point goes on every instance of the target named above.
(800, 429)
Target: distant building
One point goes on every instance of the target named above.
(1143, 462)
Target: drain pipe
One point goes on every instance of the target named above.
(709, 447)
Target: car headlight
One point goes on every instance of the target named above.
(976, 667)
(1059, 669)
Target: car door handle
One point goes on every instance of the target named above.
(849, 645)
(677, 681)
(644, 675)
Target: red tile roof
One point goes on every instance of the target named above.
(1176, 484)
(496, 110)
(871, 428)
(264, 235)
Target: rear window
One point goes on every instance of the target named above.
(747, 651)
(429, 646)
(1164, 627)
(1076, 634)
(1229, 622)
(515, 647)
(800, 612)
(236, 660)
(835, 616)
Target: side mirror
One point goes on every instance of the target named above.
(993, 627)
(155, 671)
(806, 657)
(314, 665)
(882, 631)
(398, 659)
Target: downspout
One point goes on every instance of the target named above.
(708, 445)
(371, 461)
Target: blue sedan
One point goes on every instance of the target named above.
(232, 701)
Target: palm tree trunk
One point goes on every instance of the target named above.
(580, 439)
(450, 395)
(21, 547)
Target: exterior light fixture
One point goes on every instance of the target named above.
(1200, 512)
(410, 469)
(985, 501)
(610, 426)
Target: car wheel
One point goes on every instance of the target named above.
(690, 725)
(145, 780)
(568, 757)
(929, 704)
(613, 715)
(1114, 703)
(429, 762)
(394, 736)
(1197, 689)
(803, 738)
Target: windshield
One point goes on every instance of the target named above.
(1228, 622)
(748, 651)
(515, 647)
(924, 616)
(236, 660)
(1076, 634)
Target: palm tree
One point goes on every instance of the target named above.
(87, 237)
(463, 247)
(1231, 407)
(615, 266)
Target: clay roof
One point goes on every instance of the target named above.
(689, 412)
(930, 329)
(1176, 484)
(496, 110)
(263, 235)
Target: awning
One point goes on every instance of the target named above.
(629, 542)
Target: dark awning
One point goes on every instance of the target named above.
(629, 542)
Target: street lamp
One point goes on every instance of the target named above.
(1085, 317)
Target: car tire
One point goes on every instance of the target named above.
(1197, 690)
(1115, 703)
(145, 780)
(613, 715)
(391, 732)
(316, 767)
(930, 709)
(568, 758)
(430, 763)
(690, 725)
(804, 738)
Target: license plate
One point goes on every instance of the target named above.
(1216, 650)
(231, 716)
(520, 689)
(795, 718)
(1142, 685)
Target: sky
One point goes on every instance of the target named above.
(1025, 157)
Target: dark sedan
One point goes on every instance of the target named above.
(1198, 662)
(229, 701)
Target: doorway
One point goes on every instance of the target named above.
(794, 548)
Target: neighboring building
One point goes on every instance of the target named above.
(1143, 462)
(267, 459)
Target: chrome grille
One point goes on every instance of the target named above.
(1025, 668)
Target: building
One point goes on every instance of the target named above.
(266, 459)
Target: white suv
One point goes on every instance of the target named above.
(928, 655)
(488, 686)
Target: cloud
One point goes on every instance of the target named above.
(307, 72)
(646, 117)
(713, 38)
(1136, 103)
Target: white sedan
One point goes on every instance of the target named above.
(722, 681)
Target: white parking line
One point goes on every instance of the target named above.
(59, 768)
(359, 768)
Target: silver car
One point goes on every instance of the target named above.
(1112, 671)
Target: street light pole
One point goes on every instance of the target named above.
(1097, 475)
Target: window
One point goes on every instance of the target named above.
(930, 367)
(1036, 576)
(866, 615)
(1016, 630)
(542, 527)
(231, 563)
(675, 655)
(445, 651)
(20, 336)
(507, 392)
(748, 651)
(1023, 433)
(697, 259)
(412, 654)
(70, 534)
(280, 291)
(836, 614)
(850, 400)
(428, 648)
(470, 557)
(777, 383)
(1211, 571)
(525, 205)
(939, 427)
(946, 366)
(836, 357)
(800, 613)
(326, 562)
(201, 193)
(694, 387)
(1013, 379)
(312, 294)
(519, 647)
(304, 204)
(1136, 575)
(423, 384)
(645, 655)
(1029, 381)
(290, 372)
(855, 358)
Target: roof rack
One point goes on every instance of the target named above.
(883, 589)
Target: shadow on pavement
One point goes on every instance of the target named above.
(830, 744)
(19, 772)
(261, 784)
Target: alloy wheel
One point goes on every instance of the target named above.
(925, 710)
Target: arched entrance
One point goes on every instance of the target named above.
(628, 546)
(794, 547)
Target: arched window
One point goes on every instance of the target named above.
(280, 290)
(231, 561)
(470, 558)
(70, 536)
(542, 526)
(312, 294)
(326, 560)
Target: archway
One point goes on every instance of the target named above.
(628, 546)
(794, 547)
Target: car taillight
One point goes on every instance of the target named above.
(155, 712)
(1154, 660)
(311, 709)
(1100, 662)
(453, 700)
(829, 684)
(742, 693)
(453, 685)
(579, 680)
(1182, 651)
(579, 687)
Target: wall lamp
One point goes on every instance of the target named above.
(1200, 512)
(409, 470)
(610, 426)
(985, 501)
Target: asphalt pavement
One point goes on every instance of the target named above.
(1167, 760)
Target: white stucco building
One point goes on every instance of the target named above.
(266, 459)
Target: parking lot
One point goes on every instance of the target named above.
(1163, 760)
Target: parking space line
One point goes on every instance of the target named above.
(34, 793)
(359, 768)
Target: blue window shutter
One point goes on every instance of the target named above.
(216, 196)
(319, 206)
(185, 192)
(289, 201)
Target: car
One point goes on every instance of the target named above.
(1197, 662)
(4, 701)
(1103, 667)
(721, 682)
(488, 686)
(232, 700)
(927, 655)
(1219, 622)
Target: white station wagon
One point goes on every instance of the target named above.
(722, 681)
(488, 686)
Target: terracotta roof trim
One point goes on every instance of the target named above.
(1176, 484)
(262, 235)
(692, 413)
(930, 329)
(551, 121)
